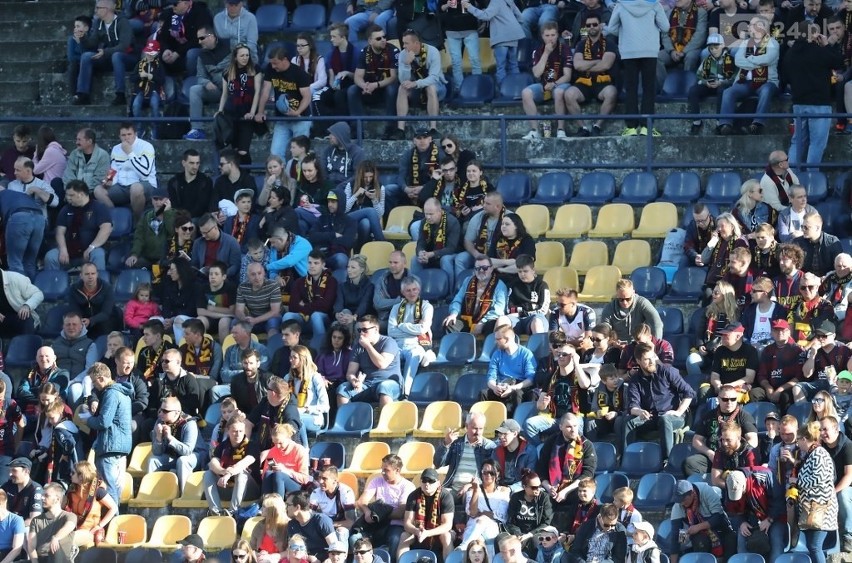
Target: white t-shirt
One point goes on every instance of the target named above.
(328, 505)
(762, 325)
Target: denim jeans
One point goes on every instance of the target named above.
(182, 466)
(283, 131)
(810, 135)
(506, 58)
(198, 96)
(318, 321)
(778, 538)
(96, 256)
(243, 485)
(844, 517)
(139, 102)
(411, 358)
(111, 468)
(278, 482)
(536, 16)
(360, 21)
(119, 62)
(666, 424)
(385, 95)
(337, 261)
(369, 224)
(307, 220)
(814, 540)
(538, 428)
(463, 261)
(471, 44)
(24, 233)
(447, 264)
(737, 91)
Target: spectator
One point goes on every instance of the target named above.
(382, 507)
(290, 87)
(702, 525)
(461, 29)
(836, 287)
(604, 346)
(363, 15)
(607, 406)
(510, 371)
(734, 453)
(177, 297)
(278, 406)
(765, 252)
(726, 237)
(428, 520)
(177, 382)
(191, 189)
(715, 73)
(757, 72)
(551, 65)
(790, 259)
(336, 500)
(388, 288)
(698, 234)
(416, 167)
(333, 359)
(721, 311)
(686, 37)
(88, 162)
(642, 334)
(32, 385)
(152, 232)
(173, 441)
(410, 324)
(511, 242)
(762, 311)
(213, 61)
(76, 48)
(750, 210)
(513, 454)
(284, 466)
(89, 501)
(50, 158)
(373, 373)
(529, 298)
(645, 549)
(819, 247)
(566, 458)
(341, 61)
(601, 538)
(487, 503)
(12, 536)
(12, 428)
(22, 299)
(309, 192)
(126, 373)
(308, 59)
(215, 304)
(335, 231)
(779, 368)
(288, 258)
(94, 299)
(232, 459)
(151, 354)
(231, 181)
(504, 19)
(239, 105)
(574, 319)
(27, 183)
(201, 354)
(312, 297)
(109, 45)
(213, 246)
(791, 218)
(180, 35)
(192, 549)
(375, 79)
(21, 147)
(777, 183)
(585, 508)
(133, 173)
(353, 295)
(627, 310)
(839, 448)
(311, 533)
(419, 76)
(741, 275)
(237, 25)
(149, 90)
(814, 485)
(579, 29)
(235, 355)
(455, 449)
(530, 512)
(638, 25)
(24, 229)
(593, 62)
(480, 301)
(249, 387)
(735, 363)
(365, 202)
(438, 240)
(343, 156)
(657, 397)
(309, 386)
(825, 359)
(75, 351)
(812, 309)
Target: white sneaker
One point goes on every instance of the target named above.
(533, 134)
(560, 134)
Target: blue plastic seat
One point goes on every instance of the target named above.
(308, 17)
(758, 411)
(509, 93)
(649, 282)
(680, 344)
(800, 410)
(122, 222)
(22, 349)
(435, 284)
(128, 281)
(51, 323)
(52, 283)
(687, 285)
(666, 537)
(846, 243)
(467, 389)
(213, 415)
(429, 387)
(475, 90)
(835, 215)
(606, 483)
(338, 14)
(488, 347)
(638, 187)
(457, 349)
(515, 188)
(746, 558)
(98, 555)
(146, 555)
(640, 458)
(596, 188)
(352, 419)
(382, 555)
(682, 186)
(455, 556)
(723, 188)
(554, 188)
(414, 555)
(677, 456)
(334, 450)
(539, 344)
(289, 46)
(655, 491)
(271, 18)
(439, 313)
(525, 49)
(699, 557)
(607, 457)
(816, 183)
(842, 183)
(672, 318)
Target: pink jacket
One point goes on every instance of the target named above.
(136, 313)
(52, 163)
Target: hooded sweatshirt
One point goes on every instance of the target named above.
(638, 24)
(625, 321)
(648, 553)
(341, 162)
(52, 163)
(241, 29)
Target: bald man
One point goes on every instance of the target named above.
(777, 180)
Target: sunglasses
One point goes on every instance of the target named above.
(818, 400)
(596, 340)
(428, 481)
(492, 473)
(563, 355)
(808, 287)
(239, 555)
(188, 229)
(534, 487)
(165, 361)
(482, 268)
(447, 146)
(728, 399)
(300, 45)
(544, 538)
(625, 299)
(363, 552)
(296, 546)
(364, 329)
(382, 38)
(166, 411)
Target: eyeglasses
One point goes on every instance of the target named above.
(365, 329)
(208, 231)
(755, 290)
(728, 399)
(563, 355)
(593, 25)
(297, 546)
(492, 473)
(301, 45)
(534, 487)
(167, 411)
(625, 299)
(240, 555)
(165, 361)
(808, 287)
(451, 169)
(483, 268)
(382, 38)
(205, 36)
(544, 538)
(188, 229)
(817, 400)
(596, 340)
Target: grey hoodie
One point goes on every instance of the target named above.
(625, 321)
(638, 24)
(340, 163)
(242, 29)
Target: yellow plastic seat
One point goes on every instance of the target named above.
(126, 487)
(495, 413)
(657, 220)
(549, 254)
(410, 251)
(615, 220)
(139, 459)
(349, 478)
(249, 526)
(193, 492)
(229, 341)
(377, 253)
(416, 456)
(168, 530)
(442, 475)
(437, 417)
(398, 220)
(367, 458)
(559, 278)
(631, 254)
(588, 254)
(396, 420)
(218, 532)
(573, 220)
(599, 286)
(134, 527)
(155, 490)
(536, 218)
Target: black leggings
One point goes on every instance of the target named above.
(632, 69)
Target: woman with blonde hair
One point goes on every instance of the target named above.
(276, 177)
(284, 466)
(355, 295)
(750, 210)
(822, 406)
(269, 536)
(728, 235)
(241, 552)
(87, 498)
(310, 389)
(723, 309)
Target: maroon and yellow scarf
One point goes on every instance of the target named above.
(470, 314)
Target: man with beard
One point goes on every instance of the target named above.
(790, 259)
(837, 285)
(566, 459)
(779, 368)
(733, 453)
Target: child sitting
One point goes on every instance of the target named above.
(715, 73)
(843, 399)
(148, 89)
(622, 498)
(139, 309)
(256, 251)
(644, 549)
(550, 549)
(607, 404)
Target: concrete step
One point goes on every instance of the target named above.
(55, 89)
(35, 50)
(17, 12)
(19, 91)
(24, 69)
(44, 29)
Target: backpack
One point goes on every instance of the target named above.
(176, 127)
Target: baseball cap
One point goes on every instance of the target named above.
(772, 415)
(684, 487)
(242, 192)
(429, 473)
(550, 530)
(644, 526)
(824, 326)
(21, 462)
(732, 327)
(193, 540)
(332, 195)
(736, 484)
(845, 374)
(422, 133)
(781, 324)
(152, 46)
(715, 39)
(508, 426)
(160, 193)
(338, 547)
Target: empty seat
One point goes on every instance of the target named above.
(145, 554)
(746, 558)
(549, 254)
(554, 188)
(135, 532)
(587, 254)
(376, 252)
(524, 411)
(137, 466)
(21, 351)
(687, 285)
(606, 483)
(596, 188)
(397, 224)
(217, 532)
(367, 458)
(607, 457)
(656, 221)
(396, 420)
(456, 348)
(352, 419)
(193, 492)
(682, 187)
(615, 220)
(308, 17)
(475, 90)
(536, 219)
(573, 220)
(338, 15)
(599, 286)
(655, 491)
(801, 410)
(558, 278)
(414, 556)
(271, 18)
(632, 254)
(168, 530)
(437, 417)
(98, 555)
(335, 451)
(429, 387)
(640, 458)
(467, 389)
(434, 284)
(758, 411)
(416, 456)
(677, 457)
(710, 558)
(816, 183)
(677, 84)
(509, 92)
(156, 489)
(53, 284)
(515, 188)
(672, 318)
(122, 222)
(495, 414)
(723, 188)
(649, 282)
(638, 187)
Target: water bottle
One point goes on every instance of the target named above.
(546, 128)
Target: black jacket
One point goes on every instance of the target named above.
(580, 546)
(819, 255)
(99, 309)
(241, 390)
(324, 233)
(808, 67)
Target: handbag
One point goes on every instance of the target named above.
(501, 527)
(758, 541)
(812, 514)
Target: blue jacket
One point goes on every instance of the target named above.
(452, 455)
(297, 258)
(498, 304)
(113, 421)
